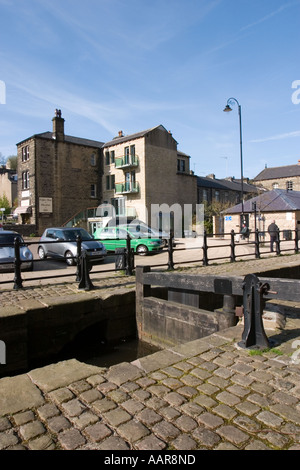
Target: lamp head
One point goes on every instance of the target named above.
(227, 109)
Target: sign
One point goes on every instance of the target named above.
(228, 217)
(45, 205)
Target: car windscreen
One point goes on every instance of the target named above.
(9, 238)
(73, 234)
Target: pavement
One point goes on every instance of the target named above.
(207, 394)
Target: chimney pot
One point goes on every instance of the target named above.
(120, 133)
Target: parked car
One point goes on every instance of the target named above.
(115, 237)
(7, 252)
(61, 242)
(141, 229)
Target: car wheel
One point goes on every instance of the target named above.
(69, 258)
(41, 253)
(142, 250)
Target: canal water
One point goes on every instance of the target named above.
(98, 353)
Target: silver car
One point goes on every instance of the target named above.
(61, 242)
(7, 252)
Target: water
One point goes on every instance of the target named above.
(97, 352)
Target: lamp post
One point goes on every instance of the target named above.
(227, 109)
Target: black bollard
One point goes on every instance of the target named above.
(85, 281)
(254, 336)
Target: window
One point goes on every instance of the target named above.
(25, 153)
(107, 182)
(112, 156)
(289, 185)
(25, 180)
(110, 182)
(107, 161)
(217, 195)
(93, 190)
(132, 150)
(275, 185)
(180, 165)
(93, 159)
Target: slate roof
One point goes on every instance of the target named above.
(226, 185)
(124, 138)
(277, 200)
(68, 138)
(278, 172)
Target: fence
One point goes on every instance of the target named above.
(124, 257)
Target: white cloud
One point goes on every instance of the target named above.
(287, 135)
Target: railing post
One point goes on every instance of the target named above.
(17, 278)
(257, 253)
(170, 252)
(232, 246)
(296, 240)
(129, 260)
(277, 242)
(78, 260)
(204, 249)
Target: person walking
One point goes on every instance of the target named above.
(273, 232)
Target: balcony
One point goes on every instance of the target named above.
(127, 161)
(127, 188)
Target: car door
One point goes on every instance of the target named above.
(59, 246)
(49, 246)
(108, 238)
(121, 238)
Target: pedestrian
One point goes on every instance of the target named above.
(245, 232)
(274, 233)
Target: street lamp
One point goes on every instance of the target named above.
(227, 109)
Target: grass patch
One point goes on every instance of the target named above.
(260, 352)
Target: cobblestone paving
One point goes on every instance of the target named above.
(218, 397)
(208, 394)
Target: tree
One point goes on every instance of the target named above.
(4, 203)
(12, 161)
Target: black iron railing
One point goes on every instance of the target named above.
(124, 257)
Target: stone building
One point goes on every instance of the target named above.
(280, 205)
(225, 191)
(58, 176)
(144, 175)
(8, 184)
(281, 177)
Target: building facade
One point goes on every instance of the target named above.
(279, 205)
(144, 175)
(8, 184)
(282, 177)
(58, 176)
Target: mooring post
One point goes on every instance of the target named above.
(254, 336)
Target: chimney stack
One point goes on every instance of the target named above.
(121, 134)
(58, 132)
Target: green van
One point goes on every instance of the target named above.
(115, 237)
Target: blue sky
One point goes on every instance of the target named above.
(130, 65)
